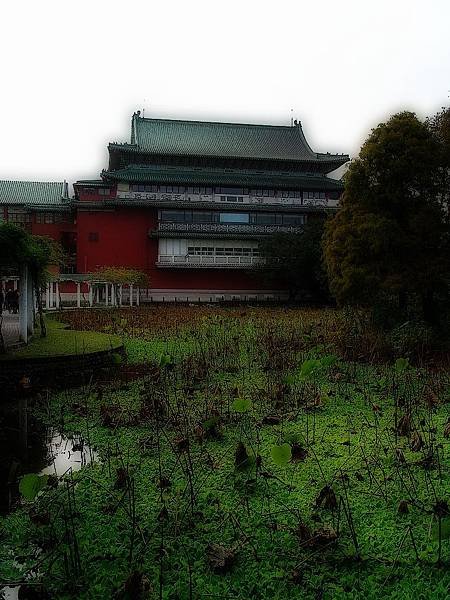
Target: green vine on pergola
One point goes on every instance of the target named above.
(19, 249)
(121, 276)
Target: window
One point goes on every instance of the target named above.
(314, 195)
(202, 217)
(267, 218)
(174, 216)
(93, 236)
(234, 218)
(104, 191)
(144, 188)
(200, 250)
(45, 217)
(19, 217)
(235, 191)
(293, 220)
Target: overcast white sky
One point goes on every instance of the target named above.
(73, 71)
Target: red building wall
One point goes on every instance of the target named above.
(123, 241)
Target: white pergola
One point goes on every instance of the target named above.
(112, 293)
(23, 283)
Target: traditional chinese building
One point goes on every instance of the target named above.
(188, 201)
(42, 208)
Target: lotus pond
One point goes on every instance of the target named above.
(236, 454)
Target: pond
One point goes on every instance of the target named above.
(28, 446)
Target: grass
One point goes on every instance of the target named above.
(190, 498)
(63, 342)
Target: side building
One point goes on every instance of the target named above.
(188, 201)
(42, 208)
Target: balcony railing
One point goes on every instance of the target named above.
(161, 198)
(226, 228)
(187, 260)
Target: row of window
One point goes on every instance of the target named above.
(263, 218)
(100, 191)
(213, 251)
(230, 194)
(51, 217)
(19, 217)
(46, 218)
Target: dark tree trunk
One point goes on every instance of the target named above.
(430, 312)
(402, 301)
(37, 291)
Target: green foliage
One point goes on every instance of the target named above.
(31, 484)
(390, 235)
(122, 275)
(163, 492)
(401, 365)
(241, 405)
(281, 455)
(18, 248)
(295, 261)
(116, 358)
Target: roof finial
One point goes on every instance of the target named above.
(292, 117)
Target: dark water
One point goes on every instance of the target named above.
(27, 446)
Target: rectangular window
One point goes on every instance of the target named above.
(173, 216)
(45, 218)
(202, 217)
(234, 218)
(104, 191)
(293, 220)
(19, 217)
(93, 236)
(267, 218)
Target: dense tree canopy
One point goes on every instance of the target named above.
(390, 235)
(294, 261)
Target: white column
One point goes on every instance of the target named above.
(91, 296)
(120, 294)
(50, 295)
(137, 296)
(23, 297)
(15, 284)
(57, 294)
(78, 295)
(106, 294)
(47, 296)
(131, 294)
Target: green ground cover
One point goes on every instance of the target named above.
(250, 461)
(63, 342)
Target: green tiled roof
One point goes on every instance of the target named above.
(225, 140)
(211, 176)
(34, 193)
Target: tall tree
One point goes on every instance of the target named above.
(294, 261)
(388, 237)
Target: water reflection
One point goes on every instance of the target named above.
(27, 446)
(10, 593)
(66, 453)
